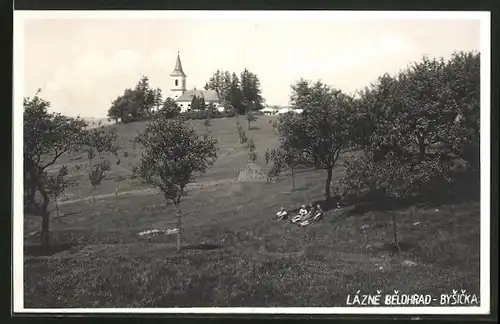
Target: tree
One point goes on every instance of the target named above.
(201, 103)
(235, 97)
(218, 83)
(195, 103)
(422, 106)
(251, 89)
(198, 103)
(174, 155)
(99, 142)
(286, 157)
(170, 109)
(250, 115)
(413, 124)
(267, 155)
(389, 180)
(207, 123)
(301, 93)
(136, 103)
(252, 154)
(224, 85)
(234, 91)
(146, 98)
(417, 118)
(241, 133)
(48, 137)
(56, 185)
(463, 81)
(290, 153)
(124, 107)
(97, 173)
(322, 130)
(157, 99)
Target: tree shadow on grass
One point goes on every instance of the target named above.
(340, 214)
(435, 199)
(40, 250)
(466, 189)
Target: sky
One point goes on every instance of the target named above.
(82, 65)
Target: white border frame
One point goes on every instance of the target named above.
(18, 227)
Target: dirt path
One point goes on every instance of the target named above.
(142, 192)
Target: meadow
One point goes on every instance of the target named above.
(237, 253)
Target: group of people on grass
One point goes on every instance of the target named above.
(306, 215)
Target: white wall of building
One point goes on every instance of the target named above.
(185, 105)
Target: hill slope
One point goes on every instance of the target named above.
(240, 255)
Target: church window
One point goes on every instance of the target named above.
(176, 82)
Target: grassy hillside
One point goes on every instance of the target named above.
(239, 254)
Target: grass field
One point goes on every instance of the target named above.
(239, 254)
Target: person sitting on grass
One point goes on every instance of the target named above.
(282, 214)
(308, 217)
(319, 213)
(302, 213)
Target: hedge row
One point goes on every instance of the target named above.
(204, 114)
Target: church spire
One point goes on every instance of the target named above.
(178, 67)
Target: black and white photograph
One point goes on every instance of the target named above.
(272, 162)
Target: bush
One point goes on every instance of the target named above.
(229, 113)
(195, 114)
(204, 114)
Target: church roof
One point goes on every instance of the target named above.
(178, 71)
(208, 95)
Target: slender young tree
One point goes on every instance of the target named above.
(57, 185)
(286, 157)
(250, 114)
(174, 155)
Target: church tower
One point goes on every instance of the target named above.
(178, 78)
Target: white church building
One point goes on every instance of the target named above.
(183, 97)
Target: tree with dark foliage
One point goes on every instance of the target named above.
(47, 138)
(323, 129)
